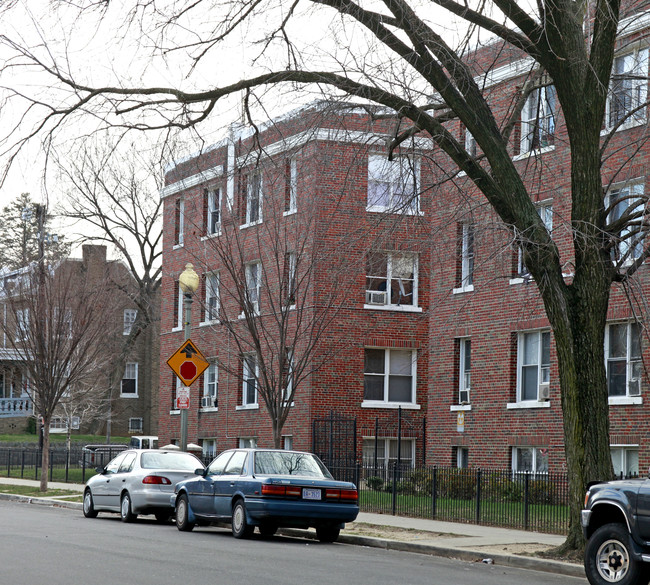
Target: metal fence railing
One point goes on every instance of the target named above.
(495, 497)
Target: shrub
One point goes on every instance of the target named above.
(375, 483)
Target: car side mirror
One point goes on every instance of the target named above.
(101, 470)
(199, 471)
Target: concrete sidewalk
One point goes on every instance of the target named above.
(469, 542)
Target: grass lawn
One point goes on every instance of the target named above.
(24, 490)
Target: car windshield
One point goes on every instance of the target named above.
(289, 463)
(166, 460)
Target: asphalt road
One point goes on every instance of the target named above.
(56, 546)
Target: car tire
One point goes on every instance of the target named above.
(608, 557)
(163, 517)
(240, 527)
(89, 505)
(126, 512)
(267, 530)
(183, 514)
(327, 533)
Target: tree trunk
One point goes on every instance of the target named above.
(45, 454)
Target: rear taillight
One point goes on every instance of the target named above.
(156, 480)
(347, 495)
(273, 490)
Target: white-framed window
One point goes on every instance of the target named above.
(129, 387)
(628, 89)
(213, 212)
(212, 296)
(545, 212)
(130, 315)
(180, 313)
(250, 377)
(209, 447)
(254, 199)
(464, 370)
(534, 365)
(393, 185)
(253, 285)
(247, 442)
(22, 324)
(624, 363)
(383, 452)
(625, 459)
(470, 143)
(287, 442)
(538, 119)
(209, 399)
(627, 200)
(136, 424)
(291, 191)
(389, 376)
(287, 375)
(63, 321)
(465, 266)
(462, 457)
(532, 460)
(179, 222)
(391, 279)
(290, 262)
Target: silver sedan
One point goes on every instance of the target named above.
(138, 481)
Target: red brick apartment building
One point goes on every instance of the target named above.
(432, 314)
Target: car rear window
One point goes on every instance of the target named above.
(289, 463)
(163, 460)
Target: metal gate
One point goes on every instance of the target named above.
(334, 440)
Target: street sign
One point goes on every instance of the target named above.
(182, 397)
(188, 363)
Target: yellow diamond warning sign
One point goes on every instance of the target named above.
(188, 362)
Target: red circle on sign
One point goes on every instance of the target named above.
(187, 370)
(183, 401)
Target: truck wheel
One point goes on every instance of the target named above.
(608, 557)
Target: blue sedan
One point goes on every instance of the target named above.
(269, 489)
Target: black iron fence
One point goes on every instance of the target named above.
(526, 501)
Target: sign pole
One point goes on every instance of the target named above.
(187, 303)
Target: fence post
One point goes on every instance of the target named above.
(434, 489)
(394, 489)
(8, 463)
(67, 464)
(526, 494)
(22, 464)
(478, 495)
(51, 463)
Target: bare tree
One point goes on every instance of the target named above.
(112, 198)
(56, 326)
(399, 58)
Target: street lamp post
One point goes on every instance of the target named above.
(189, 283)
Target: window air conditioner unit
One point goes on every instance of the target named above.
(375, 297)
(634, 387)
(207, 402)
(544, 393)
(463, 396)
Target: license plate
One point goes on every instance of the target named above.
(310, 494)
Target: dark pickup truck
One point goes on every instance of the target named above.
(616, 523)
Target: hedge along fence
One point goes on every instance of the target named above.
(526, 501)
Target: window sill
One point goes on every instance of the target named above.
(210, 322)
(129, 396)
(398, 308)
(393, 405)
(634, 123)
(210, 236)
(624, 400)
(177, 329)
(243, 226)
(535, 152)
(376, 209)
(178, 246)
(247, 407)
(463, 289)
(242, 316)
(290, 212)
(209, 409)
(528, 404)
(460, 407)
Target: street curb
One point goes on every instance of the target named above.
(520, 562)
